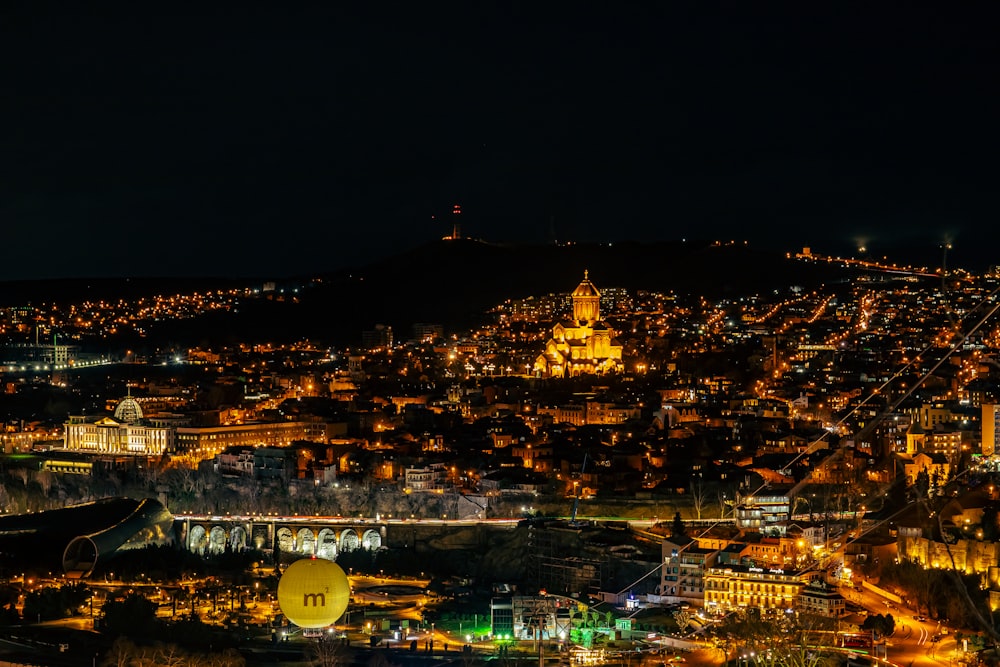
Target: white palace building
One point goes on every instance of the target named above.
(128, 432)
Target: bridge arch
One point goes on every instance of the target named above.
(285, 539)
(197, 540)
(326, 544)
(261, 537)
(216, 540)
(308, 536)
(371, 540)
(306, 540)
(349, 540)
(238, 539)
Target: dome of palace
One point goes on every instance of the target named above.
(128, 411)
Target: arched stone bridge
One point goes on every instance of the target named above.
(308, 535)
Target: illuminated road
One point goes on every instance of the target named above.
(913, 642)
(340, 520)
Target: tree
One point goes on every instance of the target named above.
(678, 529)
(276, 552)
(170, 655)
(134, 616)
(788, 640)
(51, 602)
(122, 654)
(9, 616)
(329, 652)
(989, 522)
(228, 658)
(699, 496)
(922, 484)
(799, 500)
(883, 625)
(683, 619)
(723, 502)
(379, 659)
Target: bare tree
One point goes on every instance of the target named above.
(228, 658)
(45, 481)
(6, 502)
(699, 496)
(328, 652)
(249, 491)
(170, 655)
(683, 619)
(723, 503)
(145, 656)
(121, 654)
(788, 640)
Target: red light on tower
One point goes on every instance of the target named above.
(456, 228)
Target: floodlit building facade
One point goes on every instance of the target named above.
(734, 586)
(991, 428)
(584, 344)
(124, 433)
(129, 432)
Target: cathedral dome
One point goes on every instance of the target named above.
(128, 411)
(586, 288)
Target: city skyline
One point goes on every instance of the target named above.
(827, 450)
(284, 142)
(774, 389)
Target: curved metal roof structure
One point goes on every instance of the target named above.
(78, 536)
(149, 523)
(128, 411)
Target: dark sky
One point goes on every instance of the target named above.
(254, 141)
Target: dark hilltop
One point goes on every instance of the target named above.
(449, 282)
(454, 283)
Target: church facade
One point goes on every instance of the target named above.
(583, 344)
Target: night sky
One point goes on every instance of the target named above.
(278, 141)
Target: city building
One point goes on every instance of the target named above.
(683, 572)
(273, 463)
(127, 432)
(205, 442)
(427, 332)
(763, 511)
(936, 466)
(734, 586)
(991, 428)
(591, 412)
(130, 432)
(235, 461)
(819, 599)
(430, 478)
(584, 344)
(544, 617)
(379, 337)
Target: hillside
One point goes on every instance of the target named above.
(452, 283)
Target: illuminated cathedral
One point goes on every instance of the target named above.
(583, 344)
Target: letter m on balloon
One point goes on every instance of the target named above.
(317, 599)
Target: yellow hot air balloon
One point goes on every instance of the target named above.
(313, 592)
